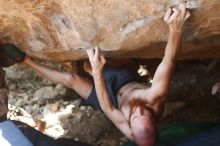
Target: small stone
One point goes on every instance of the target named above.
(83, 108)
(47, 92)
(12, 86)
(12, 101)
(70, 108)
(26, 97)
(76, 103)
(19, 103)
(78, 116)
(28, 109)
(172, 107)
(35, 109)
(65, 103)
(61, 89)
(42, 102)
(54, 107)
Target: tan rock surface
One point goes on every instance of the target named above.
(60, 30)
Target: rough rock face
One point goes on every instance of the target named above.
(60, 30)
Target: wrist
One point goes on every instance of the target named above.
(175, 34)
(96, 72)
(175, 31)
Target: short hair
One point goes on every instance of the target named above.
(149, 135)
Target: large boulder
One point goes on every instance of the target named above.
(61, 30)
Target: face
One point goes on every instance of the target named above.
(143, 127)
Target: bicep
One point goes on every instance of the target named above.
(161, 80)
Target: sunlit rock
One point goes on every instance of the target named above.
(61, 30)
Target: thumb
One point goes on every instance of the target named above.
(103, 59)
(187, 16)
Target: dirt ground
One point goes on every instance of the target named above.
(191, 84)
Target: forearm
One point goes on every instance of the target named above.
(162, 76)
(173, 47)
(116, 116)
(47, 72)
(101, 91)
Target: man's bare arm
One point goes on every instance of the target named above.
(117, 117)
(162, 77)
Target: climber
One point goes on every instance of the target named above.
(134, 108)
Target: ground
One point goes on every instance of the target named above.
(190, 99)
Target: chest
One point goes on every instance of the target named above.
(126, 108)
